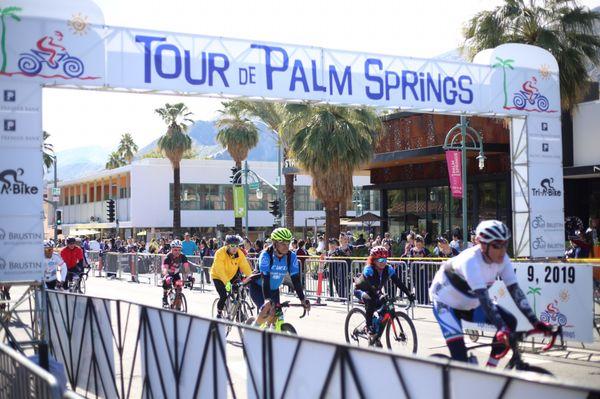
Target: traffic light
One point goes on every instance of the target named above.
(235, 177)
(274, 208)
(110, 210)
(58, 217)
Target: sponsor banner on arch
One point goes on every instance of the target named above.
(547, 234)
(21, 182)
(21, 253)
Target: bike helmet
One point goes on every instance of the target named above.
(379, 252)
(233, 239)
(281, 234)
(176, 244)
(48, 244)
(492, 230)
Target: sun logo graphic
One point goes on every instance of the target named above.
(79, 24)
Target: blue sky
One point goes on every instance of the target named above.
(423, 28)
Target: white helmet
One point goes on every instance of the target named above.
(176, 244)
(492, 230)
(48, 244)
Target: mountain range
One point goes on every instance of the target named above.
(81, 161)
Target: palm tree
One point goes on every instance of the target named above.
(332, 145)
(534, 291)
(561, 27)
(174, 144)
(115, 161)
(48, 151)
(275, 115)
(239, 135)
(504, 64)
(127, 147)
(6, 12)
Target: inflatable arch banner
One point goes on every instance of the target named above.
(65, 43)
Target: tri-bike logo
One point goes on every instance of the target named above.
(546, 189)
(10, 183)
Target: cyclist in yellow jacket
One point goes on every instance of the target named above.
(229, 260)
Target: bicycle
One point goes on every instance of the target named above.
(77, 283)
(237, 308)
(516, 361)
(276, 321)
(400, 333)
(175, 297)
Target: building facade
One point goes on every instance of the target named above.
(143, 192)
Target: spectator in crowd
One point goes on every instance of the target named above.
(360, 240)
(443, 249)
(258, 245)
(165, 248)
(419, 250)
(321, 245)
(206, 261)
(410, 243)
(456, 242)
(579, 247)
(338, 269)
(188, 247)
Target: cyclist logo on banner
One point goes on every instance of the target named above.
(50, 55)
(528, 97)
(46, 56)
(553, 315)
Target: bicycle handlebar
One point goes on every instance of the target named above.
(517, 336)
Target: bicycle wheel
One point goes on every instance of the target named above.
(182, 303)
(81, 286)
(534, 369)
(225, 312)
(355, 328)
(287, 328)
(401, 335)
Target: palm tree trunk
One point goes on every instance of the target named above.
(332, 220)
(238, 221)
(289, 201)
(176, 201)
(3, 45)
(343, 209)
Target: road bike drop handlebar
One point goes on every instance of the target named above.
(519, 336)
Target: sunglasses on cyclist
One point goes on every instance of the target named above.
(287, 243)
(233, 245)
(499, 244)
(176, 249)
(382, 260)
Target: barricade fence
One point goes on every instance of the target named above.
(22, 378)
(333, 279)
(118, 349)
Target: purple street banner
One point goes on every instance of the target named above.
(454, 172)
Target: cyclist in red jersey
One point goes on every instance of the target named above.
(172, 268)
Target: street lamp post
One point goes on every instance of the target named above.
(256, 180)
(463, 138)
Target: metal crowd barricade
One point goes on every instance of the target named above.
(146, 267)
(22, 378)
(333, 282)
(421, 275)
(401, 267)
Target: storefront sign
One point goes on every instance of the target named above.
(454, 163)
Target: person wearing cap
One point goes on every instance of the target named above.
(73, 257)
(54, 267)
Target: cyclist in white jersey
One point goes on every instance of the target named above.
(459, 291)
(55, 270)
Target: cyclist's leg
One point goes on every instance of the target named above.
(256, 294)
(509, 319)
(222, 291)
(370, 306)
(451, 326)
(166, 285)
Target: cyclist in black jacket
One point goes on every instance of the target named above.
(369, 284)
